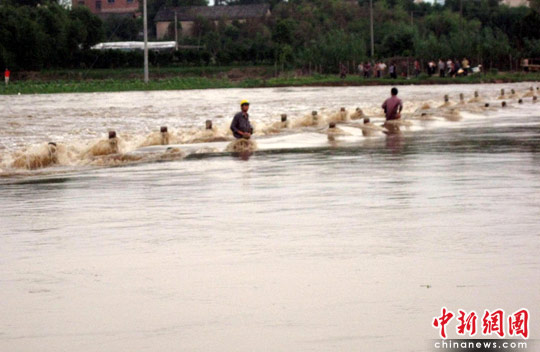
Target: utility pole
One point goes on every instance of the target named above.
(175, 31)
(371, 23)
(145, 29)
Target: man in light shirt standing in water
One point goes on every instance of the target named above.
(392, 106)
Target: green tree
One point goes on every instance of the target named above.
(122, 28)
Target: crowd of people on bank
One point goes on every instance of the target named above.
(442, 68)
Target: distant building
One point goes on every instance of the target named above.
(187, 15)
(515, 3)
(440, 2)
(104, 8)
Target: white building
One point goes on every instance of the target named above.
(515, 3)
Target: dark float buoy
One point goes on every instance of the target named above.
(503, 104)
(366, 120)
(208, 124)
(342, 109)
(486, 105)
(332, 125)
(112, 134)
(163, 129)
(283, 117)
(520, 101)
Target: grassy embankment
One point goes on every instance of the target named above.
(174, 78)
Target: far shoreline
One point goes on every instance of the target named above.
(103, 81)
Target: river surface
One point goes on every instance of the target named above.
(309, 244)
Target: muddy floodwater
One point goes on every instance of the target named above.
(321, 239)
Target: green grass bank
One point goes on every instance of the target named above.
(80, 81)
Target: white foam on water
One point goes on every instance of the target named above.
(136, 116)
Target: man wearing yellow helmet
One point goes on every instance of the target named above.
(240, 126)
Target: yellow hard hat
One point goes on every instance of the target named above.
(244, 102)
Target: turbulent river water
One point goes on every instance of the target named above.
(343, 239)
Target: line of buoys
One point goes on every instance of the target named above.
(357, 114)
(476, 98)
(530, 93)
(164, 131)
(113, 142)
(104, 147)
(39, 159)
(157, 138)
(242, 145)
(315, 117)
(278, 126)
(340, 116)
(172, 153)
(333, 131)
(369, 129)
(109, 147)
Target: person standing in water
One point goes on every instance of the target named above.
(240, 126)
(392, 106)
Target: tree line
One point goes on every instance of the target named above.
(312, 35)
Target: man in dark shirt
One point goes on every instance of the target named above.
(240, 126)
(392, 106)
